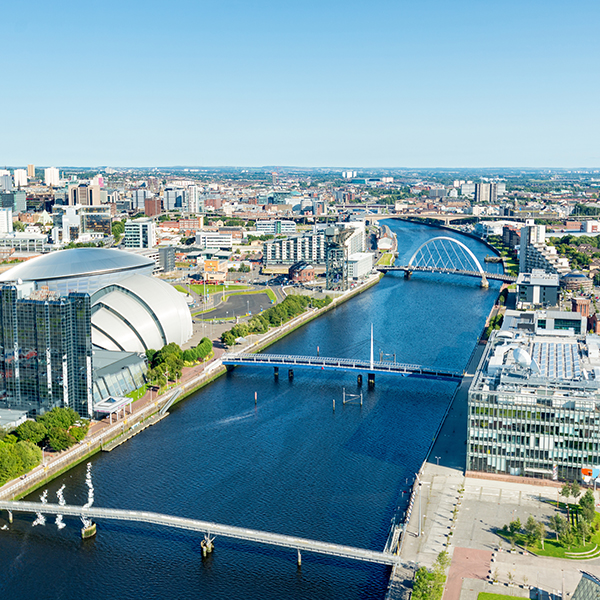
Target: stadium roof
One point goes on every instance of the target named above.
(76, 262)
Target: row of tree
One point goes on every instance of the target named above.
(429, 583)
(576, 528)
(291, 307)
(21, 449)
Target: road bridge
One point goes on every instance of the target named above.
(206, 527)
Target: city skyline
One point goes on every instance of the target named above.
(391, 84)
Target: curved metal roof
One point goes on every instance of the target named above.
(76, 262)
(150, 313)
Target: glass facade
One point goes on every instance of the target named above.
(534, 403)
(588, 588)
(46, 352)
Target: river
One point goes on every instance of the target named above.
(289, 465)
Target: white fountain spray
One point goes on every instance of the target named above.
(41, 519)
(88, 480)
(61, 502)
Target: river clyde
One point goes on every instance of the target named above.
(288, 465)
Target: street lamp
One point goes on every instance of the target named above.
(438, 460)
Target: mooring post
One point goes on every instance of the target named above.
(334, 405)
(10, 516)
(371, 380)
(299, 559)
(344, 396)
(255, 397)
(361, 398)
(359, 379)
(276, 372)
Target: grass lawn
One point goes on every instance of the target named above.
(554, 548)
(271, 295)
(215, 289)
(488, 596)
(137, 394)
(386, 259)
(181, 289)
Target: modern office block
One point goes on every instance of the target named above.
(140, 233)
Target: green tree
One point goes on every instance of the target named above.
(10, 463)
(62, 418)
(565, 492)
(514, 527)
(29, 455)
(587, 505)
(60, 439)
(558, 524)
(31, 431)
(583, 530)
(532, 530)
(541, 532)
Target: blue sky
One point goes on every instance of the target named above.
(426, 83)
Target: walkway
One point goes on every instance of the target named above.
(209, 528)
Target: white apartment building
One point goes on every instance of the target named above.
(52, 177)
(275, 227)
(140, 233)
(6, 223)
(213, 239)
(360, 264)
(20, 177)
(309, 247)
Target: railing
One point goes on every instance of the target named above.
(239, 533)
(337, 363)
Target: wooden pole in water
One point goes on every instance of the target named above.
(334, 405)
(255, 397)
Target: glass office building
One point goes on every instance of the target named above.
(45, 350)
(534, 403)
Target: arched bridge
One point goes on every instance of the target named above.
(447, 255)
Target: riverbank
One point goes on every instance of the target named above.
(101, 432)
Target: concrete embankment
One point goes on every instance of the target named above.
(447, 450)
(120, 432)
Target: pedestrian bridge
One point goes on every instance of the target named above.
(206, 527)
(340, 364)
(447, 255)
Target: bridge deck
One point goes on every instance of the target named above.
(239, 533)
(478, 274)
(340, 364)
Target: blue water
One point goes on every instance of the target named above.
(289, 465)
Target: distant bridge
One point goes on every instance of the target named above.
(447, 255)
(208, 528)
(323, 363)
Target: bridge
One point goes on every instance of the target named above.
(447, 255)
(206, 527)
(323, 363)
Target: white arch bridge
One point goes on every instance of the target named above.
(447, 255)
(208, 528)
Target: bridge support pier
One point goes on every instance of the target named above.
(484, 282)
(276, 372)
(291, 374)
(88, 531)
(10, 516)
(371, 380)
(299, 559)
(359, 380)
(207, 545)
(230, 368)
(407, 274)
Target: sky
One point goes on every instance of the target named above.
(317, 83)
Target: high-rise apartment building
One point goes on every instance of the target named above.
(52, 177)
(139, 198)
(45, 350)
(140, 233)
(6, 182)
(152, 206)
(486, 192)
(6, 223)
(31, 171)
(20, 177)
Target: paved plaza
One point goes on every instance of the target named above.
(483, 505)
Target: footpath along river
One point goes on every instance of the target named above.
(288, 465)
